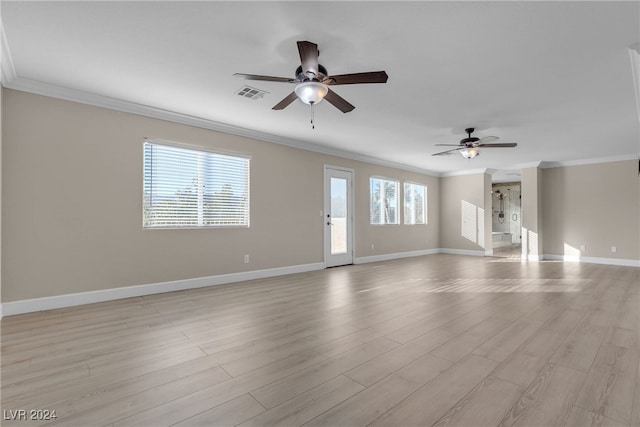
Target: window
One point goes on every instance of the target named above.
(415, 203)
(191, 188)
(383, 200)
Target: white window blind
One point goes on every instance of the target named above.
(415, 203)
(192, 188)
(383, 196)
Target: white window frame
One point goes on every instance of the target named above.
(410, 211)
(382, 220)
(190, 166)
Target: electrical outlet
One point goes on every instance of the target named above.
(372, 247)
(246, 259)
(583, 248)
(614, 249)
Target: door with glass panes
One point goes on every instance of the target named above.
(338, 216)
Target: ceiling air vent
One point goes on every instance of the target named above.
(251, 92)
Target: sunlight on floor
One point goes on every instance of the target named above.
(507, 285)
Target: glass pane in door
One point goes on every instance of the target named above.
(338, 215)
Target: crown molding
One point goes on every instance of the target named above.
(559, 164)
(593, 161)
(7, 69)
(9, 79)
(467, 172)
(73, 95)
(527, 165)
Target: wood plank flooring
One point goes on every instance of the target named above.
(439, 340)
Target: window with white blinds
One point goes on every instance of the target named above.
(383, 197)
(415, 203)
(184, 187)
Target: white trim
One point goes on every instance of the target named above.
(81, 298)
(461, 252)
(396, 255)
(68, 94)
(466, 172)
(620, 158)
(593, 260)
(10, 80)
(528, 165)
(340, 168)
(348, 257)
(552, 164)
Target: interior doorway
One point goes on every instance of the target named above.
(506, 219)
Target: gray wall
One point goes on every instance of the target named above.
(72, 204)
(474, 189)
(532, 222)
(592, 205)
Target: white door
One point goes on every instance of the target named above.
(338, 216)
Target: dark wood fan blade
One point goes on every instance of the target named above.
(308, 58)
(450, 145)
(356, 78)
(339, 102)
(445, 152)
(265, 78)
(285, 102)
(503, 145)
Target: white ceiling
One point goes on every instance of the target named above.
(555, 77)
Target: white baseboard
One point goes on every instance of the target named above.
(461, 252)
(397, 255)
(594, 260)
(81, 298)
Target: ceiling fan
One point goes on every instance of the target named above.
(313, 80)
(468, 146)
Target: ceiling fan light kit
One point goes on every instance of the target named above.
(469, 153)
(311, 92)
(313, 81)
(468, 147)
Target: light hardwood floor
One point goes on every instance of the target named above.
(436, 340)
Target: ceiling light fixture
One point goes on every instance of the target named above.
(311, 92)
(469, 153)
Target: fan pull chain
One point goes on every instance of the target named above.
(313, 126)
